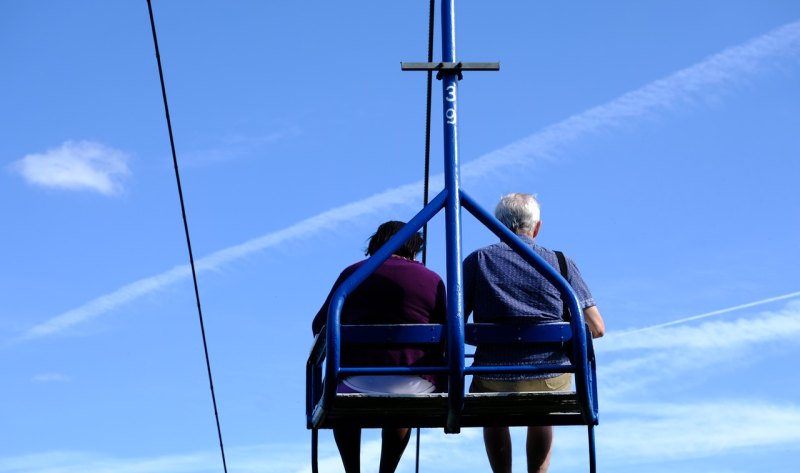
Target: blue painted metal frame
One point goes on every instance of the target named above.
(452, 182)
(451, 199)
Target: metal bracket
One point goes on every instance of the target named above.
(442, 68)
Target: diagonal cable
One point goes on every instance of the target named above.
(428, 128)
(431, 15)
(186, 231)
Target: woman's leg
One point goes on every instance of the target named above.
(348, 439)
(394, 443)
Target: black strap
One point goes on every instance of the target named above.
(562, 267)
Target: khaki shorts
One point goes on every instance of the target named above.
(561, 382)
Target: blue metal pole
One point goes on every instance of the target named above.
(455, 309)
(592, 451)
(314, 451)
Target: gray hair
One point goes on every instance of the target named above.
(519, 212)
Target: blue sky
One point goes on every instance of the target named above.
(661, 138)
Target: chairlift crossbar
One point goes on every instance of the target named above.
(450, 66)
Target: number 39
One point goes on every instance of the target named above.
(450, 114)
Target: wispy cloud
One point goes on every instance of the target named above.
(373, 205)
(717, 73)
(80, 166)
(236, 146)
(664, 353)
(784, 323)
(713, 313)
(636, 429)
(663, 432)
(71, 461)
(275, 457)
(725, 69)
(108, 302)
(640, 433)
(665, 360)
(51, 378)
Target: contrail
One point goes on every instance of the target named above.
(137, 289)
(713, 313)
(726, 68)
(729, 67)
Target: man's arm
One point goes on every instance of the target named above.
(595, 321)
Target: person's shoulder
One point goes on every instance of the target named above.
(433, 276)
(352, 268)
(356, 265)
(543, 250)
(567, 257)
(421, 268)
(412, 270)
(499, 246)
(572, 267)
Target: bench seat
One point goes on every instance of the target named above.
(430, 410)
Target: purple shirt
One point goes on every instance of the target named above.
(400, 291)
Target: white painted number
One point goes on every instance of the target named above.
(450, 114)
(451, 93)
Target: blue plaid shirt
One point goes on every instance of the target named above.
(500, 286)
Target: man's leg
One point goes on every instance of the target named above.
(540, 441)
(348, 439)
(394, 442)
(498, 448)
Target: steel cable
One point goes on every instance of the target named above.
(426, 180)
(186, 231)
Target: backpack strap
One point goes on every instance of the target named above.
(562, 267)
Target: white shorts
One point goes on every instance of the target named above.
(395, 384)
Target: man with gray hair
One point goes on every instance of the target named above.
(501, 287)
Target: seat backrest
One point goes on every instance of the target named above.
(554, 333)
(393, 334)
